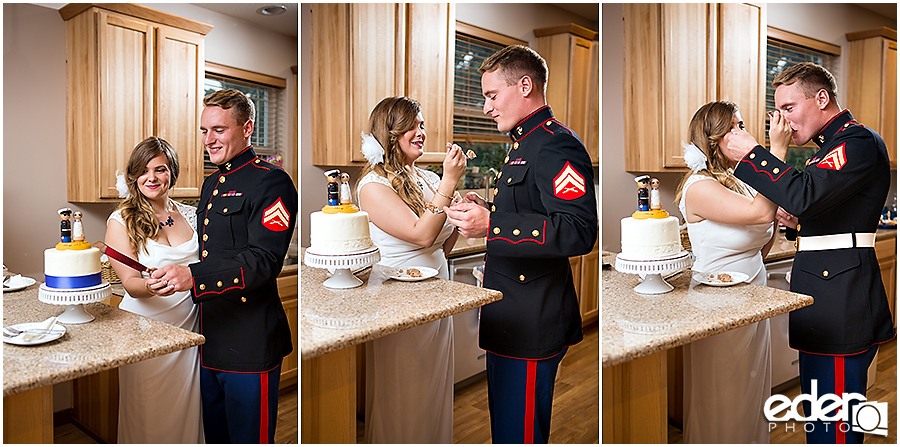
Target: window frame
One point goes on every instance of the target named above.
(266, 81)
(807, 43)
(492, 37)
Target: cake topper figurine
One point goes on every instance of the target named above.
(643, 194)
(65, 227)
(655, 203)
(649, 205)
(345, 189)
(69, 239)
(334, 197)
(340, 198)
(77, 227)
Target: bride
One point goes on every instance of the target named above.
(727, 377)
(409, 374)
(159, 398)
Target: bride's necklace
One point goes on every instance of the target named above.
(168, 222)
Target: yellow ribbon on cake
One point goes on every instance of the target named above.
(76, 245)
(334, 209)
(652, 214)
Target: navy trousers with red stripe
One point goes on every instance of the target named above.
(520, 398)
(239, 408)
(834, 375)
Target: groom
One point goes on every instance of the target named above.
(245, 219)
(838, 198)
(544, 211)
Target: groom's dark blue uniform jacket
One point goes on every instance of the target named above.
(544, 211)
(841, 191)
(245, 220)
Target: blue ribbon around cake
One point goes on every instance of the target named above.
(72, 282)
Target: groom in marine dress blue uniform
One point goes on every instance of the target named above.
(245, 220)
(838, 199)
(544, 211)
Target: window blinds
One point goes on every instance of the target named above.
(470, 124)
(266, 139)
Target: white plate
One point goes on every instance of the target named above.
(60, 331)
(26, 282)
(711, 280)
(402, 275)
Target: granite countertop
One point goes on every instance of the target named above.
(113, 339)
(690, 312)
(333, 319)
(784, 249)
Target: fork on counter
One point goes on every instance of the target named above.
(11, 332)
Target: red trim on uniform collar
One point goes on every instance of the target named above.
(522, 121)
(545, 106)
(246, 149)
(833, 118)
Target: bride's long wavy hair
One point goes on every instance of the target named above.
(389, 120)
(141, 223)
(709, 124)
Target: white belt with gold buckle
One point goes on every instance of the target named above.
(834, 241)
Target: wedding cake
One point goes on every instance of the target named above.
(339, 233)
(650, 233)
(650, 239)
(72, 268)
(73, 263)
(340, 228)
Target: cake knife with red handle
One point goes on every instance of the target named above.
(113, 253)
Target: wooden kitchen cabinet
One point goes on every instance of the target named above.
(287, 290)
(886, 251)
(363, 53)
(589, 292)
(572, 56)
(679, 57)
(872, 83)
(586, 276)
(131, 72)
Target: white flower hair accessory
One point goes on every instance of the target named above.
(372, 149)
(694, 158)
(121, 187)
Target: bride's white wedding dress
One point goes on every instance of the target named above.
(409, 374)
(728, 377)
(159, 398)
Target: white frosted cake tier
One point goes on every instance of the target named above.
(339, 233)
(650, 239)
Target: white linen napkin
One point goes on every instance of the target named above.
(15, 281)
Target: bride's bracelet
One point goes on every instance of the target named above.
(433, 208)
(445, 195)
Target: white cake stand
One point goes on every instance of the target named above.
(653, 282)
(74, 299)
(342, 278)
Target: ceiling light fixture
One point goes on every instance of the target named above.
(271, 10)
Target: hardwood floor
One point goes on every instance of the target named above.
(576, 400)
(884, 390)
(285, 429)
